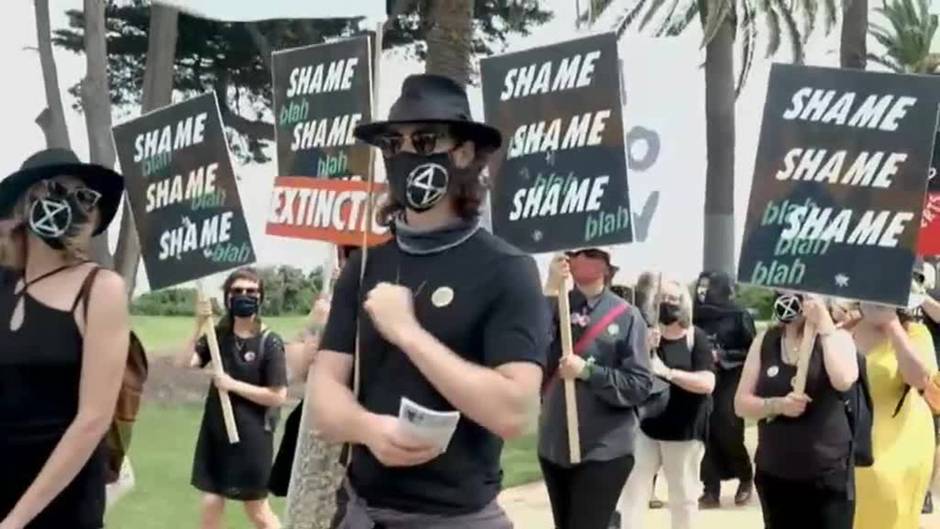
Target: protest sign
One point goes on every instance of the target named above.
(321, 93)
(325, 210)
(182, 192)
(560, 180)
(839, 182)
(929, 242)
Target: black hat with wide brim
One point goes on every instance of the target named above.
(50, 163)
(434, 99)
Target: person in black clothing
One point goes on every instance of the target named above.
(730, 329)
(611, 370)
(675, 439)
(804, 455)
(64, 335)
(445, 314)
(256, 380)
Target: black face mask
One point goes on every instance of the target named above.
(56, 217)
(669, 313)
(788, 307)
(244, 306)
(418, 182)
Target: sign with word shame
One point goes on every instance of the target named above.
(839, 182)
(929, 242)
(321, 93)
(560, 179)
(326, 210)
(182, 192)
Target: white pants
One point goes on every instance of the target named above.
(680, 461)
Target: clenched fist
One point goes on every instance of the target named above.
(391, 308)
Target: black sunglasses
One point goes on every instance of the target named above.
(86, 197)
(244, 291)
(424, 142)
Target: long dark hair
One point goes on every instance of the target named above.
(466, 193)
(227, 323)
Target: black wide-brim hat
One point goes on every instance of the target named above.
(435, 99)
(50, 163)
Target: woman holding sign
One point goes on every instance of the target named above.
(611, 367)
(256, 379)
(62, 359)
(804, 455)
(900, 360)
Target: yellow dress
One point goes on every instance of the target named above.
(890, 494)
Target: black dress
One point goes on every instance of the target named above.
(40, 373)
(240, 471)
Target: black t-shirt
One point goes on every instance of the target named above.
(686, 415)
(483, 300)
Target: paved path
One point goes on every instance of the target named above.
(528, 508)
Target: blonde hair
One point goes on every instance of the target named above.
(13, 237)
(685, 301)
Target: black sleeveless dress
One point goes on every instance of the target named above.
(40, 371)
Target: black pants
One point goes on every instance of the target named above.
(726, 456)
(809, 504)
(584, 496)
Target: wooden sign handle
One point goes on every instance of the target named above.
(228, 414)
(567, 348)
(802, 363)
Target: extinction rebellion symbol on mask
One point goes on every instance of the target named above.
(50, 218)
(426, 185)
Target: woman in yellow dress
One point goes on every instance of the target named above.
(899, 354)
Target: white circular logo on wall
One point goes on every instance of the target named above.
(426, 185)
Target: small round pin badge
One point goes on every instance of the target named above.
(249, 356)
(772, 371)
(442, 297)
(613, 330)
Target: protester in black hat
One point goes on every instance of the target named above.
(447, 315)
(730, 328)
(611, 369)
(64, 331)
(255, 378)
(804, 446)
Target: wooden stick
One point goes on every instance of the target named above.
(208, 329)
(802, 363)
(567, 348)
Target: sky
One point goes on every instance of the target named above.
(663, 84)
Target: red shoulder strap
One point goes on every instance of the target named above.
(595, 330)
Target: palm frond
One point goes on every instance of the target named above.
(830, 13)
(810, 11)
(773, 29)
(651, 12)
(678, 25)
(887, 62)
(715, 16)
(629, 17)
(748, 44)
(668, 20)
(796, 40)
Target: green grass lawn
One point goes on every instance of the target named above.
(162, 455)
(159, 333)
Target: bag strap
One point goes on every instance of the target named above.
(84, 294)
(595, 330)
(897, 409)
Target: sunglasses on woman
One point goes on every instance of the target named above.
(236, 291)
(86, 198)
(424, 142)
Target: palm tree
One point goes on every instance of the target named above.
(907, 43)
(450, 39)
(722, 21)
(853, 46)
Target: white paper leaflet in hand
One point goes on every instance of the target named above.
(427, 425)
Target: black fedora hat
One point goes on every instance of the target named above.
(427, 98)
(50, 163)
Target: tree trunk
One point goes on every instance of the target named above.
(853, 49)
(450, 39)
(96, 102)
(53, 121)
(720, 138)
(157, 92)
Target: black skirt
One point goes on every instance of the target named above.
(284, 462)
(235, 471)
